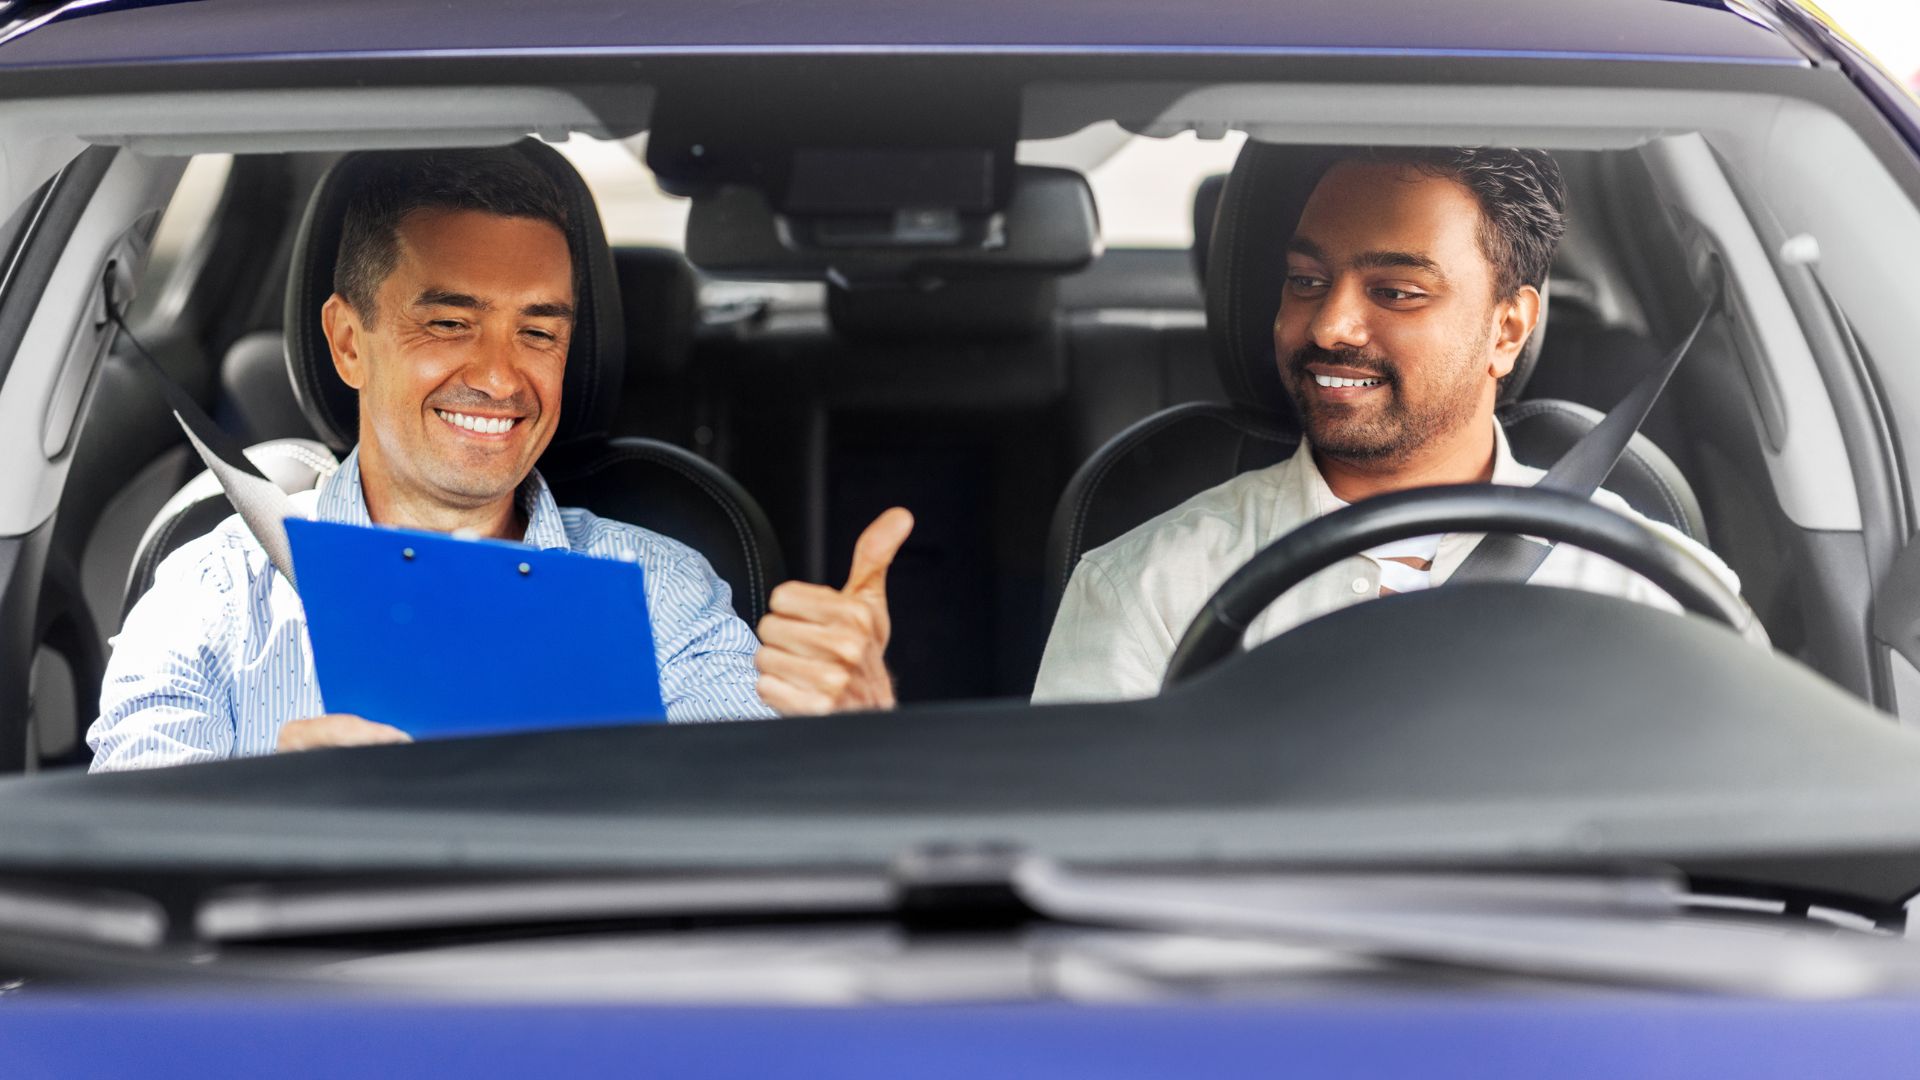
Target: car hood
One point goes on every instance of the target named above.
(1480, 726)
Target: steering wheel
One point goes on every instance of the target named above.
(1218, 630)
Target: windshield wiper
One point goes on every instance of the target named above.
(80, 914)
(1632, 929)
(314, 910)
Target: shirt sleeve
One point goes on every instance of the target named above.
(704, 649)
(1754, 632)
(166, 698)
(1098, 650)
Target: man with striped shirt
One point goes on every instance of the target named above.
(451, 316)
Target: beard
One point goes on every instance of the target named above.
(1387, 429)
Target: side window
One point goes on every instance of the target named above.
(188, 214)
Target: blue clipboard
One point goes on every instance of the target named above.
(442, 637)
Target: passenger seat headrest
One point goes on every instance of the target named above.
(595, 363)
(1246, 267)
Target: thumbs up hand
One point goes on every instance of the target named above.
(822, 649)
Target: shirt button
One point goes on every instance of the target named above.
(1361, 585)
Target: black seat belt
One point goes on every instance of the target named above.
(1587, 463)
(261, 504)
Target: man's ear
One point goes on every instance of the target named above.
(1515, 318)
(346, 340)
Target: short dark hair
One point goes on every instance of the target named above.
(394, 184)
(1523, 204)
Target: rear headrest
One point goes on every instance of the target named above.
(995, 309)
(595, 363)
(257, 402)
(1246, 267)
(660, 298)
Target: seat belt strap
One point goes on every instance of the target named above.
(260, 502)
(1588, 462)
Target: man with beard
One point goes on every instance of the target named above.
(1413, 282)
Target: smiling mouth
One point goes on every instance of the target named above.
(1332, 381)
(479, 425)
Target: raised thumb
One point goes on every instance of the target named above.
(875, 549)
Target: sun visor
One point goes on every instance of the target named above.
(1048, 226)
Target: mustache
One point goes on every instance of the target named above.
(1378, 367)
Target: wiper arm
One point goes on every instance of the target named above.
(1629, 929)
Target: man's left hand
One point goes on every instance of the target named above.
(822, 649)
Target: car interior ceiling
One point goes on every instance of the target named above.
(972, 405)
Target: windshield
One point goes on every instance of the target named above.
(1395, 471)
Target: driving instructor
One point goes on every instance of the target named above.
(451, 316)
(1412, 284)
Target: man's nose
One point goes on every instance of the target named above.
(1341, 320)
(493, 370)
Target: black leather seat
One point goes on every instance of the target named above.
(640, 481)
(1174, 454)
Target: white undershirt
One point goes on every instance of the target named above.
(1398, 576)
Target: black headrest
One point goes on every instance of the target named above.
(1206, 207)
(257, 402)
(1246, 267)
(595, 363)
(660, 298)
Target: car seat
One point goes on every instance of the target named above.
(640, 481)
(1174, 454)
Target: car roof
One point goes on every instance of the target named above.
(140, 31)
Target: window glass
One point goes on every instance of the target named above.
(1143, 187)
(634, 210)
(187, 216)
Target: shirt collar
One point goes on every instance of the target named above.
(344, 500)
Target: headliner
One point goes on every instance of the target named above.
(252, 29)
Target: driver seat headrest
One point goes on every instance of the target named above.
(1246, 268)
(596, 360)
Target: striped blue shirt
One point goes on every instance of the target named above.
(214, 659)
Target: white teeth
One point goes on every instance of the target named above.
(1331, 380)
(479, 424)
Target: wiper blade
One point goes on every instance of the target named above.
(313, 910)
(1629, 930)
(75, 913)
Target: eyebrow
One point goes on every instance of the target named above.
(547, 309)
(1370, 260)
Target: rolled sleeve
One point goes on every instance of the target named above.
(705, 651)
